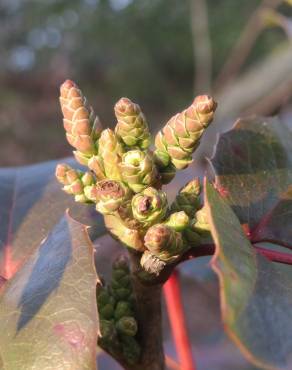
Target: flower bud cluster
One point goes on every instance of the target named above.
(125, 178)
(75, 182)
(116, 308)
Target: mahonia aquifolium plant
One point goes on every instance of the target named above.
(124, 181)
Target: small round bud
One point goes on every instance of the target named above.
(110, 195)
(127, 325)
(178, 221)
(150, 206)
(138, 170)
(122, 309)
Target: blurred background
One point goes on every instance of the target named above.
(160, 53)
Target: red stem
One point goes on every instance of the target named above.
(174, 300)
(209, 249)
(177, 321)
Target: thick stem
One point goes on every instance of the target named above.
(148, 301)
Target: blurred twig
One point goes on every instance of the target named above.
(244, 44)
(201, 45)
(257, 83)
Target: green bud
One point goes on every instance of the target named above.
(109, 195)
(104, 297)
(181, 135)
(107, 311)
(118, 274)
(201, 224)
(178, 221)
(107, 337)
(121, 293)
(131, 349)
(122, 309)
(127, 325)
(110, 151)
(138, 170)
(149, 206)
(191, 235)
(75, 182)
(188, 198)
(132, 127)
(164, 242)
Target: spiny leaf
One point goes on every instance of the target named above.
(256, 295)
(253, 167)
(48, 310)
(32, 202)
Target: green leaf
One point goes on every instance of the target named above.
(256, 295)
(48, 310)
(32, 202)
(253, 167)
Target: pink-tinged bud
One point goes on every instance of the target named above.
(181, 135)
(132, 127)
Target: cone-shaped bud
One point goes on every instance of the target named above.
(105, 304)
(109, 195)
(138, 170)
(122, 309)
(178, 221)
(188, 198)
(132, 127)
(110, 152)
(131, 349)
(81, 124)
(121, 287)
(150, 206)
(181, 135)
(75, 182)
(127, 325)
(164, 242)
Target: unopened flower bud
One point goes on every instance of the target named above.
(110, 153)
(188, 198)
(81, 124)
(149, 206)
(178, 221)
(138, 170)
(132, 127)
(75, 182)
(127, 325)
(164, 242)
(109, 195)
(122, 309)
(181, 135)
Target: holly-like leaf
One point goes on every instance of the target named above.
(32, 202)
(48, 310)
(256, 295)
(253, 167)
